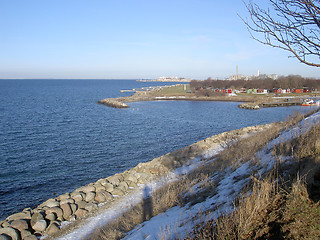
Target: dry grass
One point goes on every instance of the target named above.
(173, 193)
(268, 213)
(274, 210)
(256, 216)
(163, 199)
(304, 145)
(246, 149)
(175, 90)
(166, 197)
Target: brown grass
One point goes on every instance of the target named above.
(304, 145)
(268, 213)
(172, 194)
(258, 216)
(274, 210)
(175, 90)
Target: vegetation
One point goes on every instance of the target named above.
(180, 89)
(291, 82)
(279, 207)
(268, 213)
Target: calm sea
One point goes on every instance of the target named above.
(54, 137)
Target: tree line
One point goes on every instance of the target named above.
(285, 82)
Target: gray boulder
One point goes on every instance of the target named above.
(109, 187)
(11, 232)
(81, 212)
(19, 224)
(53, 228)
(58, 212)
(5, 237)
(67, 211)
(88, 188)
(36, 217)
(90, 196)
(118, 192)
(40, 226)
(19, 215)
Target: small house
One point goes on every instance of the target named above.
(306, 90)
(297, 90)
(277, 90)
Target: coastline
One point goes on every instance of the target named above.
(66, 212)
(253, 102)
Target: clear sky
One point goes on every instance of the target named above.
(133, 39)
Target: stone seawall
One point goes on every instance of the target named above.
(46, 219)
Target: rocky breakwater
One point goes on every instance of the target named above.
(113, 103)
(252, 106)
(271, 103)
(47, 218)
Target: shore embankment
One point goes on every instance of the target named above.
(50, 218)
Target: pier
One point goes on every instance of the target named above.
(281, 104)
(132, 90)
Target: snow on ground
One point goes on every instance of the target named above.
(133, 199)
(176, 222)
(179, 221)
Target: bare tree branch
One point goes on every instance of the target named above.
(291, 25)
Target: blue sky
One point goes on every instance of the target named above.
(117, 39)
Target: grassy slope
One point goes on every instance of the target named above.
(273, 211)
(280, 206)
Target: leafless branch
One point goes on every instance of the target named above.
(291, 25)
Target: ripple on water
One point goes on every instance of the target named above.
(55, 138)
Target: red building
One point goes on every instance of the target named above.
(277, 90)
(306, 90)
(297, 90)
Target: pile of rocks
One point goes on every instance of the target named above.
(113, 103)
(252, 106)
(46, 219)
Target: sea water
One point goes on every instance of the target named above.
(54, 137)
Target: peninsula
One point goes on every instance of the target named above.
(180, 92)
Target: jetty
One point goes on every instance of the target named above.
(256, 106)
(132, 90)
(113, 103)
(281, 104)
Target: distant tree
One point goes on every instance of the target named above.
(206, 87)
(268, 84)
(291, 25)
(313, 84)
